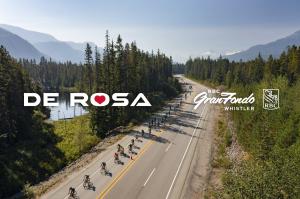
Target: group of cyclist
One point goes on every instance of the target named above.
(120, 149)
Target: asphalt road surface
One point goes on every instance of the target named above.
(162, 163)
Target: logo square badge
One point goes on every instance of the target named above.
(270, 99)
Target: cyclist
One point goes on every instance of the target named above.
(103, 166)
(130, 148)
(119, 148)
(143, 132)
(72, 192)
(116, 156)
(136, 137)
(86, 181)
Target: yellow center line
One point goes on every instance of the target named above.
(124, 171)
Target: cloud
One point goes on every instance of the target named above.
(232, 52)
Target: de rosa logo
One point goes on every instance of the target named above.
(96, 99)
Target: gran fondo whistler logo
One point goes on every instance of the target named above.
(229, 99)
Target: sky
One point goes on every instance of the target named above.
(179, 28)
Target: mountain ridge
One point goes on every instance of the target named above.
(49, 46)
(274, 48)
(18, 47)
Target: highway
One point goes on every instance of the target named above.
(163, 164)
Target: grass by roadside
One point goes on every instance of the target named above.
(75, 136)
(224, 139)
(220, 161)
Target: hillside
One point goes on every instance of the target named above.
(47, 44)
(31, 36)
(60, 51)
(274, 48)
(17, 46)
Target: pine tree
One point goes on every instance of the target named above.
(89, 68)
(98, 71)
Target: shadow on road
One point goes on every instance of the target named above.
(151, 137)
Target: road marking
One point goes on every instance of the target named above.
(168, 147)
(185, 152)
(149, 177)
(123, 172)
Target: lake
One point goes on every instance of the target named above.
(64, 110)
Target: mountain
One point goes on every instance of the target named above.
(60, 51)
(80, 46)
(274, 48)
(17, 46)
(31, 36)
(50, 46)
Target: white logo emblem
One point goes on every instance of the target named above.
(97, 99)
(270, 99)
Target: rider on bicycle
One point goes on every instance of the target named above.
(103, 166)
(130, 147)
(86, 181)
(143, 132)
(86, 178)
(119, 147)
(116, 156)
(72, 191)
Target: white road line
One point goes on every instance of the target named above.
(185, 152)
(168, 147)
(149, 177)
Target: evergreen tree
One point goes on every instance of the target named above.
(89, 68)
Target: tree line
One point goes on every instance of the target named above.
(222, 71)
(52, 76)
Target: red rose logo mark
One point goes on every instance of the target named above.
(99, 99)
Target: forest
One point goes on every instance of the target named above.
(270, 139)
(31, 147)
(52, 76)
